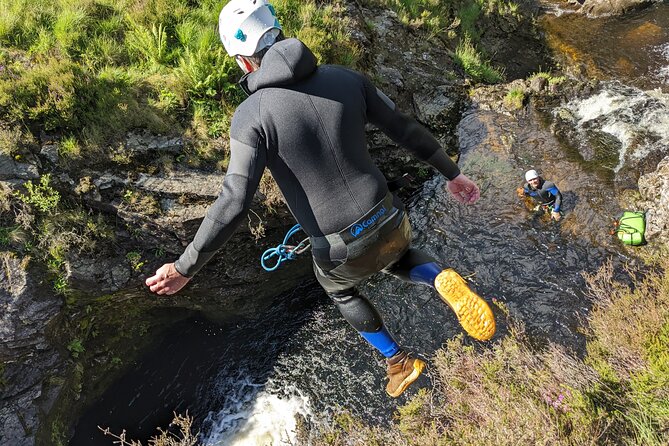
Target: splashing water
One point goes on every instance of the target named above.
(662, 73)
(638, 119)
(257, 418)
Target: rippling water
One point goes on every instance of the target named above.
(632, 48)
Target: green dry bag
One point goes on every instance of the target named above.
(631, 228)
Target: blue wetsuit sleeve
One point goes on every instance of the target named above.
(406, 131)
(558, 198)
(245, 169)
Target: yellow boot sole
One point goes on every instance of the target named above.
(473, 313)
(418, 367)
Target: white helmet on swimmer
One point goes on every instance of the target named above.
(247, 26)
(531, 174)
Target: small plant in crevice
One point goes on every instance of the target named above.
(135, 259)
(41, 196)
(515, 98)
(76, 348)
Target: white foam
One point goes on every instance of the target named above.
(628, 114)
(664, 51)
(268, 421)
(604, 103)
(663, 75)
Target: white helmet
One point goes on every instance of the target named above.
(247, 26)
(531, 174)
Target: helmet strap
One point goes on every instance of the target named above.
(245, 64)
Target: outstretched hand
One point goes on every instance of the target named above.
(167, 280)
(463, 189)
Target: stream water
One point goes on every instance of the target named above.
(244, 381)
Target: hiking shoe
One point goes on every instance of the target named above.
(473, 313)
(402, 371)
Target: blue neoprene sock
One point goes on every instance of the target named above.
(425, 273)
(382, 341)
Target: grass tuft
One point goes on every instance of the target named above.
(480, 70)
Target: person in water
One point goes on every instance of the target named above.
(306, 124)
(544, 192)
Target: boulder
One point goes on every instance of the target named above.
(145, 141)
(597, 8)
(654, 190)
(14, 170)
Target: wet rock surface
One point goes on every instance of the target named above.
(598, 8)
(654, 190)
(26, 355)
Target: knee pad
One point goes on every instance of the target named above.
(357, 310)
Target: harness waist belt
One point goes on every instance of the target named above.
(374, 221)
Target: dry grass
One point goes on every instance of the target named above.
(273, 198)
(183, 437)
(623, 318)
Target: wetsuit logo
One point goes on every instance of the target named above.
(357, 228)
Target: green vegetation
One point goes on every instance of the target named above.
(460, 20)
(42, 196)
(434, 16)
(514, 98)
(37, 222)
(474, 65)
(76, 348)
(69, 148)
(552, 80)
(85, 73)
(96, 69)
(135, 259)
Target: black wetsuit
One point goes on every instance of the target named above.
(547, 194)
(306, 123)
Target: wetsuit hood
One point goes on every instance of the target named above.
(285, 63)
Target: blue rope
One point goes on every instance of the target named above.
(284, 251)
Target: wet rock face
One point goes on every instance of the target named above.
(654, 190)
(512, 42)
(25, 355)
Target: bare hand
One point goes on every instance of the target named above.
(555, 216)
(167, 280)
(463, 189)
(520, 192)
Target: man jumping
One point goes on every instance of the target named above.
(306, 123)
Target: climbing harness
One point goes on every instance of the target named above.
(631, 228)
(547, 208)
(285, 251)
